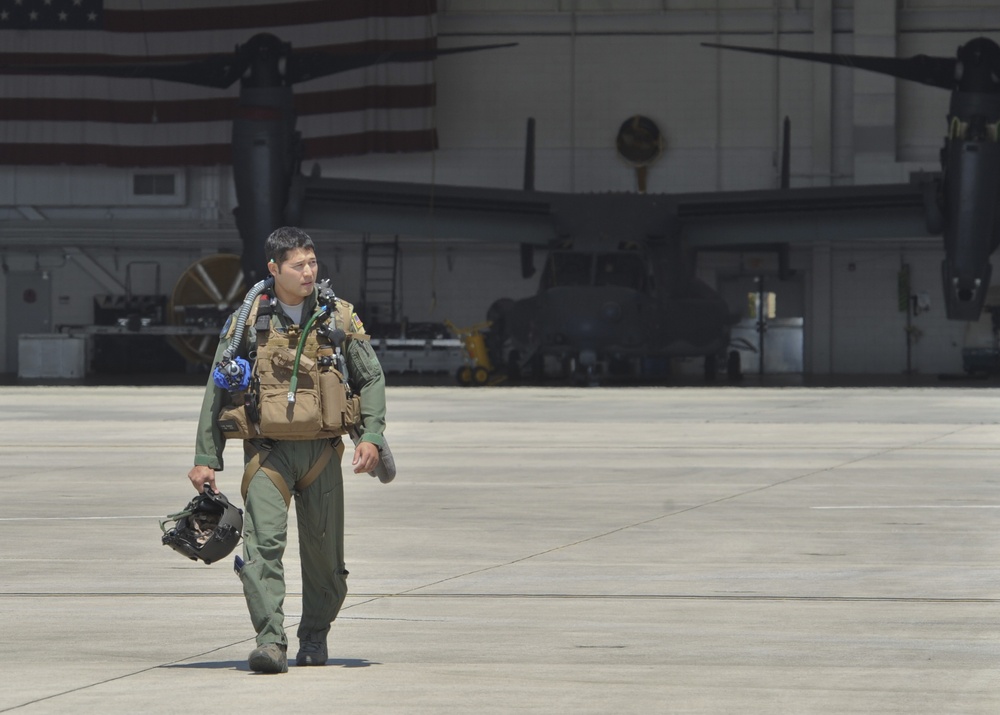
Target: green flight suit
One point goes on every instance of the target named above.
(319, 508)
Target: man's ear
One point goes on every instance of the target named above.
(272, 267)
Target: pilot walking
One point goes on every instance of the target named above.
(297, 451)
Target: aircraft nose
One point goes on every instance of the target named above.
(582, 319)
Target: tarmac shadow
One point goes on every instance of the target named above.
(212, 665)
(242, 664)
(348, 663)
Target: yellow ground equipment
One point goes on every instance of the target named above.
(478, 368)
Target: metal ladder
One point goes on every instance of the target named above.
(379, 272)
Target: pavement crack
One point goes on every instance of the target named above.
(685, 510)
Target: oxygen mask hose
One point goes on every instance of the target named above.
(231, 373)
(294, 382)
(241, 317)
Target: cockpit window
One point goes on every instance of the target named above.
(975, 130)
(620, 269)
(576, 268)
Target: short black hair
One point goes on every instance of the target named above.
(284, 239)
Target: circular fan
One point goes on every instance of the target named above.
(204, 296)
(639, 141)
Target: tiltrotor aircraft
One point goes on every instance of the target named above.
(619, 279)
(618, 283)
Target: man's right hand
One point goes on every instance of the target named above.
(201, 475)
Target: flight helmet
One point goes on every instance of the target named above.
(208, 528)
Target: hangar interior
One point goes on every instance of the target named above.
(78, 240)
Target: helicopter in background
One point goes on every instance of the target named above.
(599, 304)
(618, 292)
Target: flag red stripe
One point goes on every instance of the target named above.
(355, 99)
(275, 15)
(210, 154)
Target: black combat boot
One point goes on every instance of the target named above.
(311, 652)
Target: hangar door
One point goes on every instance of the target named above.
(29, 309)
(776, 305)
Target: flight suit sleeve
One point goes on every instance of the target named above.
(209, 441)
(368, 381)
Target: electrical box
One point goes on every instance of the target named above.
(51, 355)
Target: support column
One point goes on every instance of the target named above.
(818, 357)
(874, 95)
(822, 96)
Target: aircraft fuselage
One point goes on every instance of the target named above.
(592, 308)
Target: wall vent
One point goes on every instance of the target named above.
(154, 184)
(157, 187)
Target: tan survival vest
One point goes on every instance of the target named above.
(323, 406)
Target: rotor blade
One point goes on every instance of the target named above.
(935, 71)
(303, 66)
(786, 156)
(529, 157)
(218, 71)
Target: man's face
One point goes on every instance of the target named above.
(295, 277)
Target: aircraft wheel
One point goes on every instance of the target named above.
(207, 292)
(514, 364)
(734, 366)
(710, 368)
(480, 376)
(463, 376)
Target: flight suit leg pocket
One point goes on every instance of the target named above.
(264, 613)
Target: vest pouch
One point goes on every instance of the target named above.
(281, 419)
(233, 423)
(276, 368)
(352, 415)
(333, 395)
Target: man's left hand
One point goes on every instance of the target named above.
(365, 457)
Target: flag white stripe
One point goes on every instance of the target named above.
(396, 120)
(401, 74)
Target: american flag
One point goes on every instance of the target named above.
(52, 119)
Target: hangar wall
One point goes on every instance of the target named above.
(581, 67)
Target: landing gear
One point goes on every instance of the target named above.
(734, 366)
(711, 368)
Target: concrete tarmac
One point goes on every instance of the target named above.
(543, 550)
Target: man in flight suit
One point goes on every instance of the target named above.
(319, 506)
